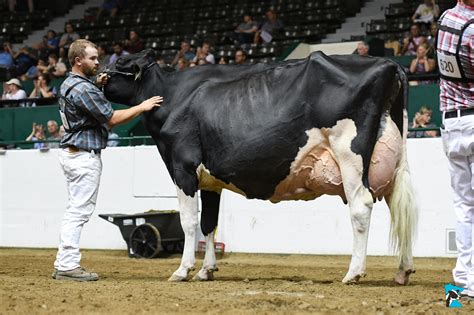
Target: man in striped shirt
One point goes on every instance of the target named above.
(87, 116)
(455, 52)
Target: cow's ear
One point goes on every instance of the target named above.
(143, 62)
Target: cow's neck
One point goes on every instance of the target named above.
(147, 90)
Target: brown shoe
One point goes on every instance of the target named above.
(78, 274)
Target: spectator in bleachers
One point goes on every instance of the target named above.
(15, 5)
(426, 13)
(12, 91)
(118, 52)
(42, 87)
(363, 49)
(24, 59)
(422, 120)
(113, 140)
(203, 55)
(184, 52)
(412, 41)
(431, 40)
(37, 134)
(422, 64)
(240, 57)
(393, 44)
(6, 58)
(53, 130)
(67, 38)
(223, 60)
(269, 29)
(54, 68)
(182, 64)
(160, 61)
(32, 72)
(245, 31)
(49, 44)
(109, 7)
(104, 58)
(134, 43)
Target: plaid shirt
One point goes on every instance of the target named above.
(457, 95)
(89, 116)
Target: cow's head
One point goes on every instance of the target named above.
(125, 77)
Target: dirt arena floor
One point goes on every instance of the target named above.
(245, 284)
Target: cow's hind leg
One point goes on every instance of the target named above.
(188, 212)
(209, 217)
(360, 203)
(358, 196)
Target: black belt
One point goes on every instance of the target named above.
(462, 112)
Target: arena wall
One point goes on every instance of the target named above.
(33, 196)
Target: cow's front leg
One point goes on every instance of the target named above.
(188, 212)
(210, 264)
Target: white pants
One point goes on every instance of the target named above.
(82, 170)
(458, 142)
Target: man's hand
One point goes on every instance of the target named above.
(101, 79)
(151, 103)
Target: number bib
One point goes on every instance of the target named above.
(448, 66)
(64, 120)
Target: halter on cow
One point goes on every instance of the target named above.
(286, 131)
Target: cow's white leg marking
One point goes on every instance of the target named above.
(358, 197)
(210, 264)
(188, 212)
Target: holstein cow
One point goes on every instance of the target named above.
(287, 131)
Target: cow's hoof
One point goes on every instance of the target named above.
(353, 279)
(402, 277)
(205, 275)
(177, 278)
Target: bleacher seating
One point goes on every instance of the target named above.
(398, 19)
(164, 24)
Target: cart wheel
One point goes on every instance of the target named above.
(145, 241)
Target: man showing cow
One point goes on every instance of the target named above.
(87, 116)
(456, 59)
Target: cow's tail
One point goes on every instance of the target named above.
(403, 208)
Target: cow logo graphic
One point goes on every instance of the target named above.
(453, 294)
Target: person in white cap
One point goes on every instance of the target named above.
(12, 90)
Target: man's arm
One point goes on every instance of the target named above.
(123, 116)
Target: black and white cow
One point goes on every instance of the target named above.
(292, 130)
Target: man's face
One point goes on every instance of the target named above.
(184, 46)
(239, 57)
(133, 35)
(362, 50)
(89, 64)
(205, 48)
(270, 16)
(118, 49)
(69, 28)
(414, 30)
(52, 128)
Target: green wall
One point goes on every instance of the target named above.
(16, 123)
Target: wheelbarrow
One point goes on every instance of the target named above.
(149, 233)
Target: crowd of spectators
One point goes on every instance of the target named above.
(47, 59)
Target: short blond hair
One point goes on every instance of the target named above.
(425, 109)
(78, 48)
